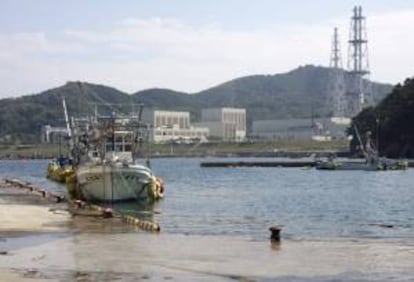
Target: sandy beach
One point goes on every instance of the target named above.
(40, 241)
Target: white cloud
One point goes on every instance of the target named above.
(143, 53)
(392, 45)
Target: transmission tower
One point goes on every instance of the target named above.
(336, 59)
(359, 94)
(336, 84)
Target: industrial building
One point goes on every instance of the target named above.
(225, 124)
(175, 126)
(319, 129)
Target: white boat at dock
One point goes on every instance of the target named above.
(106, 169)
(117, 180)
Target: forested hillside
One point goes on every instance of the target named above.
(21, 118)
(391, 122)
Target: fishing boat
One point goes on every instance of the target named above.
(59, 169)
(371, 162)
(106, 168)
(380, 164)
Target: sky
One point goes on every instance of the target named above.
(188, 45)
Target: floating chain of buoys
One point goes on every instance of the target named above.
(143, 224)
(108, 212)
(78, 207)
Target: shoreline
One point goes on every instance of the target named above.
(205, 258)
(293, 148)
(293, 155)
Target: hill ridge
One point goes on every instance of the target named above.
(294, 94)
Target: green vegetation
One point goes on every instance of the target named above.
(391, 122)
(299, 93)
(21, 118)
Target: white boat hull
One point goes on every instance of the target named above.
(115, 182)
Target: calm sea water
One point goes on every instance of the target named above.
(310, 204)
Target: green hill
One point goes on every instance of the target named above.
(297, 93)
(21, 118)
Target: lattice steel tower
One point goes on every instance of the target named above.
(336, 84)
(359, 94)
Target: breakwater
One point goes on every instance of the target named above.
(275, 163)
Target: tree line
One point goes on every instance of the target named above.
(391, 123)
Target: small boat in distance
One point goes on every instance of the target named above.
(372, 160)
(382, 164)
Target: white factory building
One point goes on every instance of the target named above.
(225, 124)
(170, 126)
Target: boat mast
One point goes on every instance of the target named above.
(68, 128)
(113, 117)
(137, 132)
(66, 117)
(361, 145)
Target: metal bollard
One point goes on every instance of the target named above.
(107, 213)
(275, 232)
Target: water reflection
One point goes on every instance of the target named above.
(275, 245)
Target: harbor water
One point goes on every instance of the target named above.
(338, 225)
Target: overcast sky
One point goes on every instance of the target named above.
(188, 45)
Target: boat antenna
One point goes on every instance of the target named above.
(148, 147)
(360, 141)
(60, 145)
(66, 117)
(141, 107)
(113, 119)
(68, 129)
